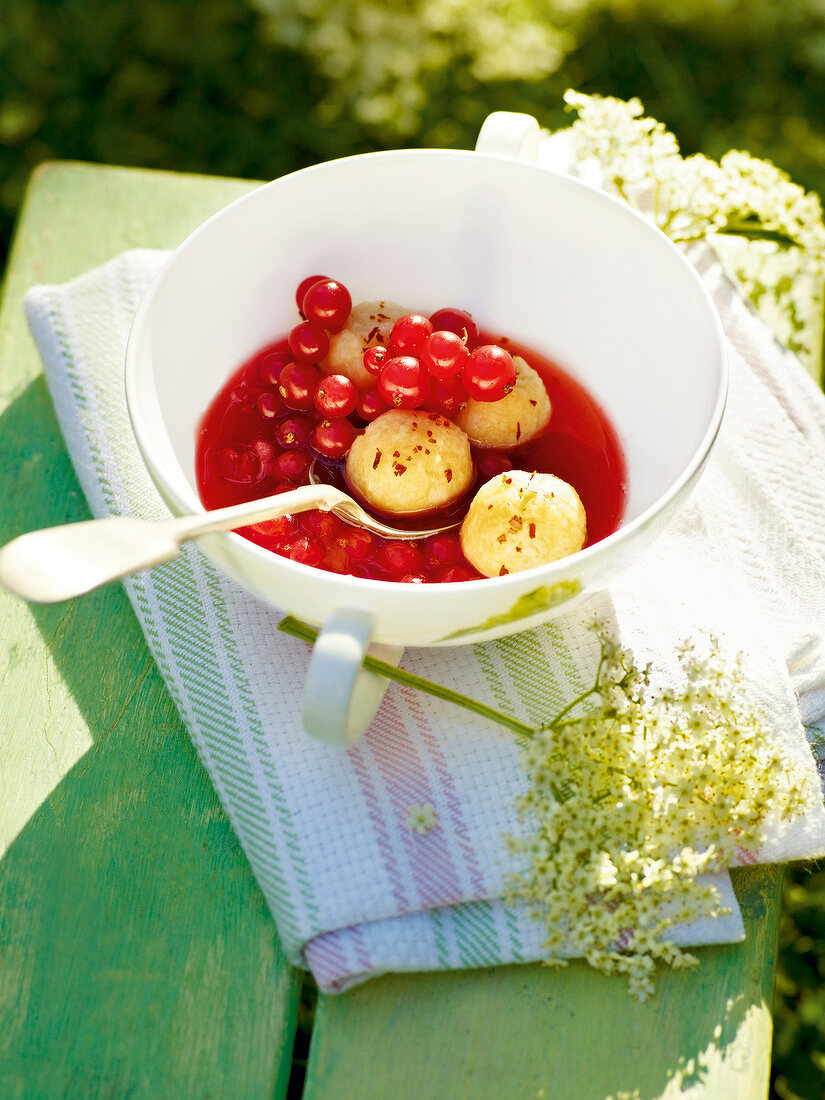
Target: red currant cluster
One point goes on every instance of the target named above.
(323, 540)
(436, 363)
(325, 306)
(280, 411)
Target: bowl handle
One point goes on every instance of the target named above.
(340, 695)
(510, 134)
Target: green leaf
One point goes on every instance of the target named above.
(531, 603)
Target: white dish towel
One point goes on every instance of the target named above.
(354, 890)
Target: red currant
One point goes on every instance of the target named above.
(304, 286)
(458, 321)
(335, 560)
(399, 556)
(328, 304)
(240, 465)
(358, 545)
(324, 525)
(239, 398)
(269, 405)
(452, 573)
(297, 383)
(375, 358)
(412, 578)
(370, 405)
(279, 527)
(444, 354)
(309, 342)
(270, 366)
(333, 438)
(409, 334)
(443, 550)
(304, 549)
(293, 432)
(366, 571)
(447, 396)
(264, 450)
(291, 466)
(489, 374)
(403, 382)
(336, 396)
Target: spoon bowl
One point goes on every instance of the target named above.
(412, 525)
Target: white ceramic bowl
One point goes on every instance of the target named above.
(557, 265)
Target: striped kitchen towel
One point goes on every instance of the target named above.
(391, 855)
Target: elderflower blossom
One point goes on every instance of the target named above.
(691, 197)
(634, 791)
(766, 229)
(420, 819)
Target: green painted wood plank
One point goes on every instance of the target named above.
(137, 957)
(527, 1031)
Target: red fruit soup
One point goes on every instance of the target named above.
(278, 413)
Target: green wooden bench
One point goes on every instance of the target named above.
(137, 958)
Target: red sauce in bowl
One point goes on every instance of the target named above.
(251, 445)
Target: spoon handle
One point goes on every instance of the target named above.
(58, 563)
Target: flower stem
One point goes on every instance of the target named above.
(753, 230)
(306, 633)
(557, 720)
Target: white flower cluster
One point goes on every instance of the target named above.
(634, 791)
(692, 198)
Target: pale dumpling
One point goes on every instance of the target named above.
(369, 323)
(410, 461)
(519, 520)
(512, 420)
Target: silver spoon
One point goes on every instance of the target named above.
(57, 563)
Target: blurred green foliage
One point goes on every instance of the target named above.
(259, 87)
(799, 1003)
(256, 88)
(719, 73)
(193, 85)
